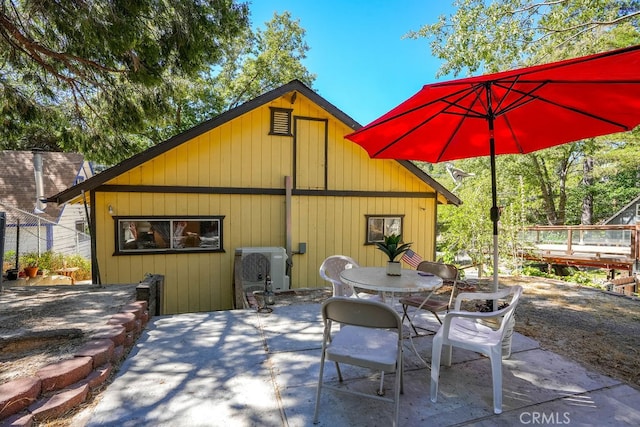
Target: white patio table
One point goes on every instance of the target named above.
(376, 279)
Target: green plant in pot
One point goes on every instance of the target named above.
(393, 247)
(30, 262)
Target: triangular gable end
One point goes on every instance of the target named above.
(613, 217)
(444, 196)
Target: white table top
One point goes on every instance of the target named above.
(376, 279)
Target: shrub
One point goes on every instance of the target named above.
(83, 264)
(30, 259)
(569, 275)
(49, 262)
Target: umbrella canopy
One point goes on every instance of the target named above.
(517, 111)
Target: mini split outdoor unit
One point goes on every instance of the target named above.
(278, 267)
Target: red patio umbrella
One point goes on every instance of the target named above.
(517, 111)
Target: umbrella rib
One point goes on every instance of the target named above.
(478, 98)
(530, 96)
(524, 99)
(586, 113)
(467, 111)
(409, 111)
(410, 131)
(509, 88)
(463, 93)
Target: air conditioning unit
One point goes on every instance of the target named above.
(278, 266)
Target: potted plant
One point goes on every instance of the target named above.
(30, 262)
(393, 247)
(495, 324)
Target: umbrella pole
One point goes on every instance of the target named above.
(495, 212)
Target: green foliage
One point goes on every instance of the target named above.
(252, 63)
(582, 277)
(261, 61)
(83, 264)
(165, 67)
(535, 272)
(30, 259)
(468, 228)
(10, 256)
(393, 247)
(88, 76)
(491, 36)
(551, 186)
(50, 262)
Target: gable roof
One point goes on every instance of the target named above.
(621, 211)
(294, 85)
(17, 179)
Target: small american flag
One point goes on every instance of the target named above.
(411, 258)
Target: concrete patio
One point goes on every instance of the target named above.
(242, 368)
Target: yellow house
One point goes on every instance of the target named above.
(273, 172)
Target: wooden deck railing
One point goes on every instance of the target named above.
(614, 247)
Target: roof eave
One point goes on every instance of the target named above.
(427, 179)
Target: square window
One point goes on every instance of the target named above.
(379, 226)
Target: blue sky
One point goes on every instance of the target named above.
(362, 64)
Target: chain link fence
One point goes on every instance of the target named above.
(25, 232)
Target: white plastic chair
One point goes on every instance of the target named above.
(462, 329)
(330, 271)
(370, 336)
(449, 275)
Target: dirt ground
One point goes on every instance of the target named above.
(597, 329)
(42, 325)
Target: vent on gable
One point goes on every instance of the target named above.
(280, 121)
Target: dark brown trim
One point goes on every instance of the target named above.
(427, 179)
(347, 193)
(187, 189)
(165, 251)
(259, 191)
(95, 270)
(272, 127)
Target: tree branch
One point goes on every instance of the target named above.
(27, 44)
(592, 24)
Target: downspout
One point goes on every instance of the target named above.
(288, 185)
